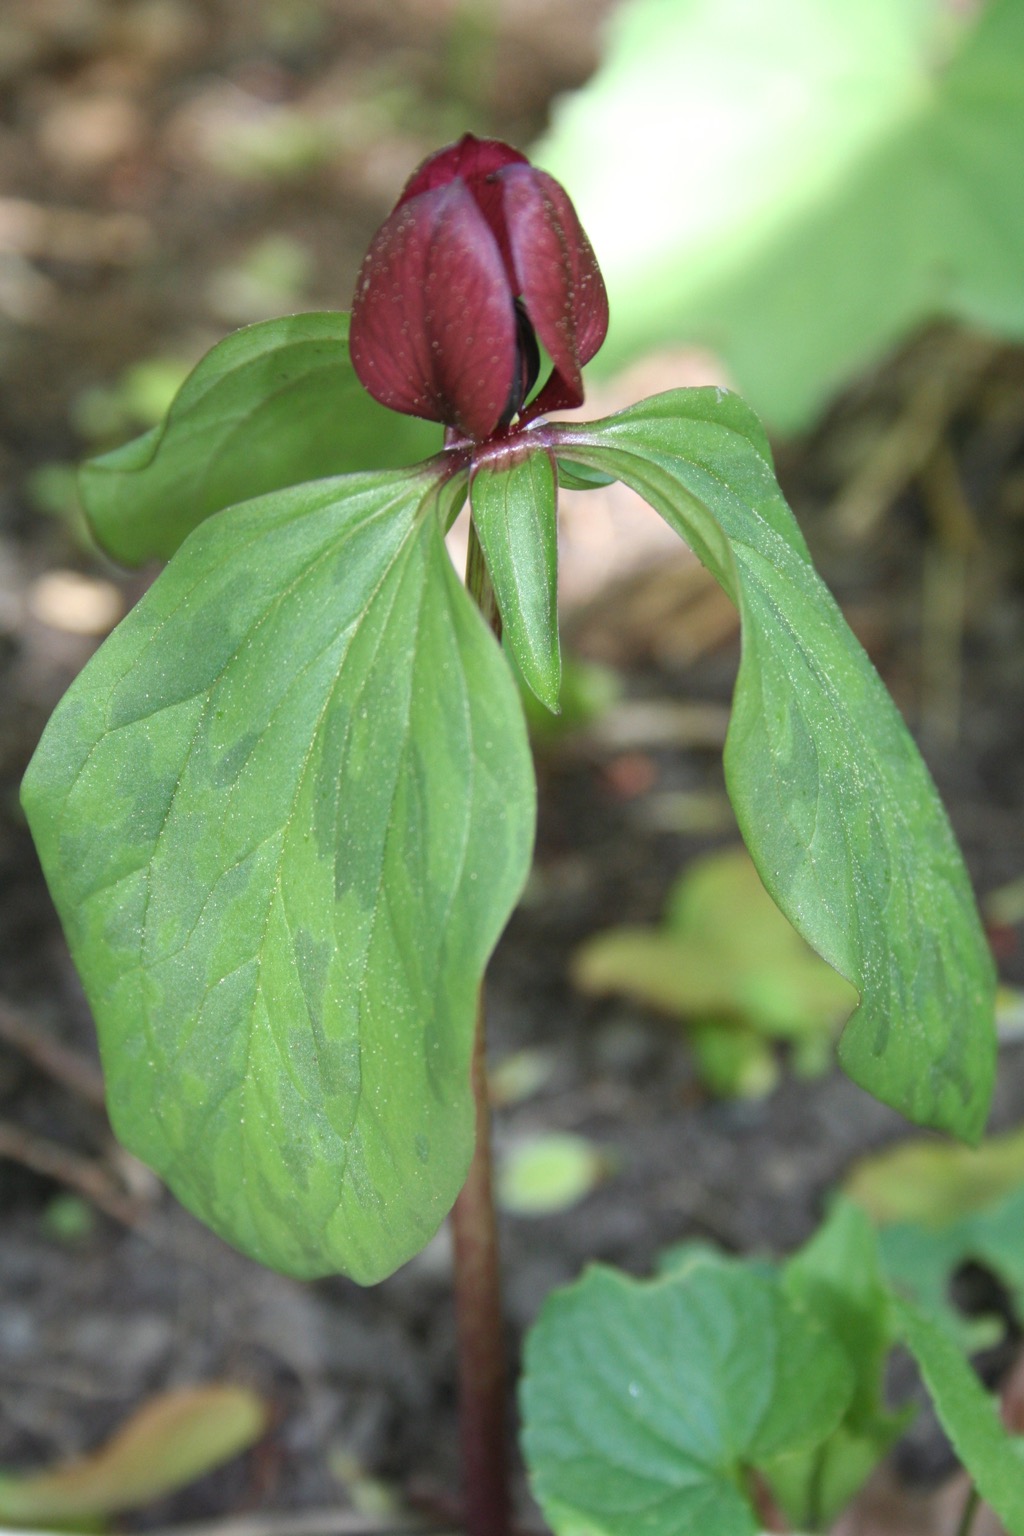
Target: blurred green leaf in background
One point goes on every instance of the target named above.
(169, 1442)
(797, 186)
(939, 1207)
(729, 963)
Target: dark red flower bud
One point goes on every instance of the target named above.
(482, 258)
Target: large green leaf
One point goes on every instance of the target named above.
(284, 813)
(797, 185)
(645, 1402)
(272, 405)
(515, 511)
(834, 803)
(970, 1417)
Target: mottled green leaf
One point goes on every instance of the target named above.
(274, 404)
(515, 512)
(645, 1403)
(970, 1417)
(835, 805)
(285, 812)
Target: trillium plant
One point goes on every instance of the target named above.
(287, 809)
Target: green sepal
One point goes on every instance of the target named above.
(515, 511)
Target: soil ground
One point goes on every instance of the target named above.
(169, 170)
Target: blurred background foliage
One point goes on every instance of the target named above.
(797, 186)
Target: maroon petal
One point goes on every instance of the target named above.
(433, 329)
(476, 162)
(558, 278)
(471, 159)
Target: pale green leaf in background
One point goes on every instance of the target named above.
(734, 1060)
(796, 186)
(547, 1173)
(168, 1443)
(933, 1183)
(285, 813)
(940, 1207)
(727, 959)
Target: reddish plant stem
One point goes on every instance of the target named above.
(767, 1510)
(480, 1327)
(478, 1312)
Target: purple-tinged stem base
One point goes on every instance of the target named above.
(480, 1328)
(479, 1320)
